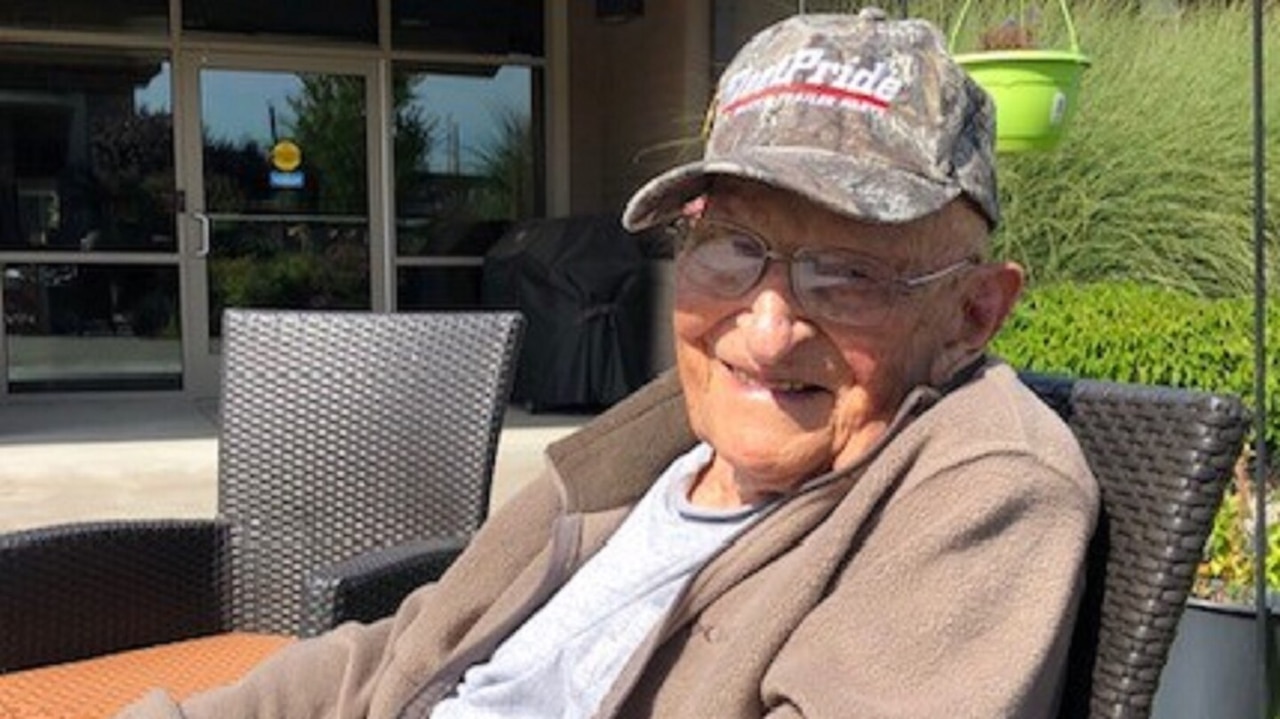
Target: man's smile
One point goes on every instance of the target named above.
(778, 386)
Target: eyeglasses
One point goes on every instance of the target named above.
(726, 261)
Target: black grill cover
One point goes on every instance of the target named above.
(581, 283)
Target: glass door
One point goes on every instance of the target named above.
(276, 203)
(88, 249)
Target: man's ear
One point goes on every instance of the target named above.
(987, 298)
(994, 291)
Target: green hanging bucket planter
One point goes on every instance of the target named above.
(1035, 91)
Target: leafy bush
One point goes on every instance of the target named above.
(1130, 332)
(1141, 333)
(1226, 574)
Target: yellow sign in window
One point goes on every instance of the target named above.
(286, 156)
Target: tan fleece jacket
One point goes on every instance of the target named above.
(938, 577)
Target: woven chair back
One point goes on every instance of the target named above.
(1162, 457)
(344, 432)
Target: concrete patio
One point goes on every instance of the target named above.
(156, 457)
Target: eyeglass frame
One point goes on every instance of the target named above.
(897, 286)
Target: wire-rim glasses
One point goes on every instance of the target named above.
(725, 260)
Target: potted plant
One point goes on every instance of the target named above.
(1035, 90)
(1227, 573)
(1213, 665)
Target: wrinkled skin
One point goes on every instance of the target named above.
(783, 397)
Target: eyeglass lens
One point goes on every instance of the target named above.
(727, 261)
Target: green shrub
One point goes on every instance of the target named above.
(1129, 332)
(1226, 574)
(1141, 333)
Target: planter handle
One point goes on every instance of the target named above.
(1062, 4)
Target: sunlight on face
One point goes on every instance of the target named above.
(782, 396)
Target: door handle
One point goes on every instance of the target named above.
(203, 249)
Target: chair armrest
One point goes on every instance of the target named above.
(370, 586)
(78, 590)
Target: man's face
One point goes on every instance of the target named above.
(782, 394)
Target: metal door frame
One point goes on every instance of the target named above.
(201, 365)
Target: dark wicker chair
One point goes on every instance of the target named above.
(1163, 458)
(340, 434)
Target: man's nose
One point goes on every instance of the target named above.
(774, 322)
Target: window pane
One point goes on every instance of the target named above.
(352, 20)
(438, 288)
(291, 263)
(86, 151)
(247, 112)
(137, 16)
(495, 27)
(286, 190)
(467, 157)
(92, 327)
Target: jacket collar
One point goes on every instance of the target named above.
(613, 460)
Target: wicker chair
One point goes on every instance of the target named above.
(1162, 457)
(340, 433)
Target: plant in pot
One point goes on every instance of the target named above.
(1227, 573)
(1035, 89)
(1213, 664)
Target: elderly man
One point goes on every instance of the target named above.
(837, 505)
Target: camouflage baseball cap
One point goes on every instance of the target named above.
(867, 116)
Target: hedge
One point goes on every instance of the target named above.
(1131, 332)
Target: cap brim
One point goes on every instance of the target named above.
(848, 186)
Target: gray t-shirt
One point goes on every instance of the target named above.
(564, 658)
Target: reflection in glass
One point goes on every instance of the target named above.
(92, 327)
(285, 180)
(438, 288)
(351, 20)
(138, 16)
(247, 113)
(466, 157)
(496, 27)
(287, 264)
(86, 151)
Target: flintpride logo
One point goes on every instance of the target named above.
(811, 77)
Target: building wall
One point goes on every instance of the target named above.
(640, 89)
(639, 92)
(737, 21)
(638, 99)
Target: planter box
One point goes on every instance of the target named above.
(1213, 665)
